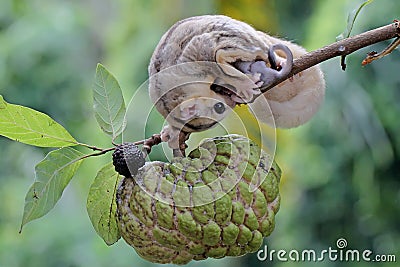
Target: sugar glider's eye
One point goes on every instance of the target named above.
(219, 108)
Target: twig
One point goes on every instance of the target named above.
(343, 62)
(148, 143)
(375, 55)
(94, 148)
(341, 48)
(102, 152)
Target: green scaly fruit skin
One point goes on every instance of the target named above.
(195, 215)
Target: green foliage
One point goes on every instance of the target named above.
(101, 205)
(3, 104)
(109, 103)
(56, 170)
(31, 127)
(53, 174)
(351, 19)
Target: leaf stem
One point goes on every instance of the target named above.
(148, 143)
(102, 152)
(94, 148)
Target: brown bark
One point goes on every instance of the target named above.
(341, 48)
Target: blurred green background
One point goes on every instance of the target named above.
(341, 170)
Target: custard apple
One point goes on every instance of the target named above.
(219, 201)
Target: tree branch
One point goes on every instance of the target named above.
(341, 48)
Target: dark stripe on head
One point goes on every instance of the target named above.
(194, 127)
(200, 127)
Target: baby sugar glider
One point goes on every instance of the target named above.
(203, 66)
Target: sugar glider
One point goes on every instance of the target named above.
(206, 65)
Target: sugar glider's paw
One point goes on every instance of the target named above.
(246, 94)
(171, 135)
(262, 74)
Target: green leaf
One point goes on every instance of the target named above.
(351, 18)
(3, 103)
(32, 127)
(101, 205)
(53, 174)
(109, 103)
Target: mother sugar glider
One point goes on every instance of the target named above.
(203, 66)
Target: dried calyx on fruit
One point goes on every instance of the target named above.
(219, 201)
(127, 159)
